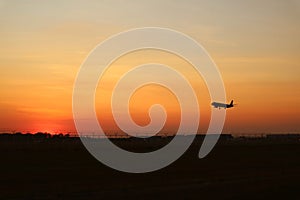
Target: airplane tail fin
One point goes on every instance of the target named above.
(231, 103)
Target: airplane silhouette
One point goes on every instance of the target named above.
(222, 105)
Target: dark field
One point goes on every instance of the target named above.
(62, 168)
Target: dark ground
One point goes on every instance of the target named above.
(236, 169)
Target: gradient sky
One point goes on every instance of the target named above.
(254, 43)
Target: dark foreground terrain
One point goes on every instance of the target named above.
(240, 168)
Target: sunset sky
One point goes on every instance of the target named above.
(255, 45)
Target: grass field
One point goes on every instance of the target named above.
(236, 169)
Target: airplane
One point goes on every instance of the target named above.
(222, 105)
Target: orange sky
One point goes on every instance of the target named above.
(255, 45)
